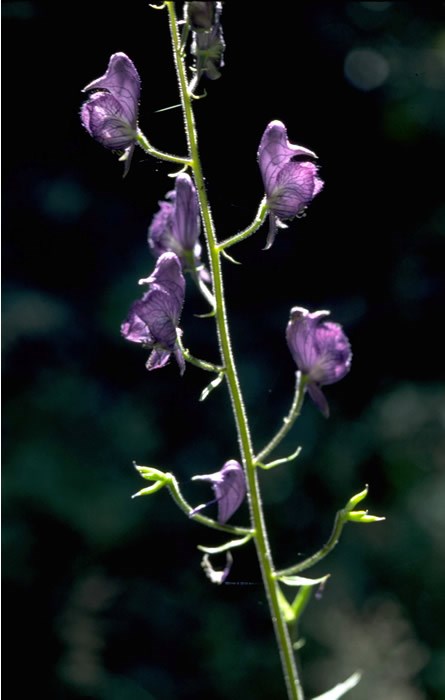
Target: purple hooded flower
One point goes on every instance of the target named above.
(110, 114)
(289, 175)
(153, 320)
(176, 226)
(320, 349)
(229, 486)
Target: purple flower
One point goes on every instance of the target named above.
(229, 486)
(289, 176)
(110, 114)
(176, 226)
(320, 349)
(153, 320)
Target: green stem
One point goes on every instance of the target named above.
(202, 364)
(175, 493)
(339, 523)
(256, 512)
(148, 148)
(289, 420)
(255, 225)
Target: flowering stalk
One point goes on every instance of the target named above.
(293, 684)
(319, 347)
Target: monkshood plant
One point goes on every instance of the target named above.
(318, 346)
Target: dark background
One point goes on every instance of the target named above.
(104, 597)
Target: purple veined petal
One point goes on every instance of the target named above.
(229, 486)
(134, 328)
(157, 359)
(186, 215)
(294, 189)
(168, 276)
(123, 82)
(275, 152)
(153, 320)
(160, 313)
(104, 119)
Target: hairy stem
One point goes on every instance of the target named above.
(256, 512)
(255, 225)
(339, 523)
(148, 148)
(288, 421)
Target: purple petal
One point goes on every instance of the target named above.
(153, 320)
(294, 189)
(320, 349)
(334, 359)
(229, 486)
(160, 313)
(134, 328)
(300, 334)
(158, 358)
(168, 277)
(318, 398)
(176, 226)
(275, 152)
(160, 232)
(186, 217)
(123, 82)
(104, 119)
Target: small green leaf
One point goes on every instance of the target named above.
(150, 489)
(361, 516)
(356, 499)
(229, 257)
(151, 473)
(341, 689)
(226, 546)
(301, 581)
(286, 608)
(210, 387)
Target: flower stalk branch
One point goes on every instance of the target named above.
(288, 422)
(202, 364)
(255, 225)
(148, 148)
(343, 516)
